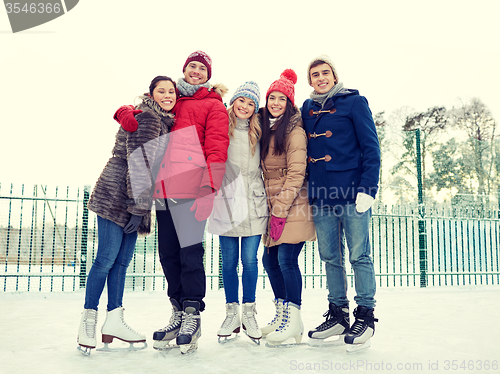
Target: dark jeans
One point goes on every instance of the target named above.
(182, 265)
(282, 267)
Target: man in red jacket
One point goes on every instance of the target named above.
(190, 174)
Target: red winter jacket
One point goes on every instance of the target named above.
(191, 161)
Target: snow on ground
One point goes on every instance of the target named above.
(433, 330)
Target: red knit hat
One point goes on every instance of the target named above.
(202, 57)
(285, 85)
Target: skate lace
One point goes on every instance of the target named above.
(128, 327)
(284, 319)
(358, 327)
(360, 324)
(189, 324)
(250, 320)
(174, 322)
(90, 324)
(277, 315)
(229, 320)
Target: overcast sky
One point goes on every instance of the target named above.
(61, 82)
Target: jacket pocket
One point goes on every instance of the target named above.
(260, 202)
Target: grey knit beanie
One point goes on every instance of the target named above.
(322, 59)
(248, 89)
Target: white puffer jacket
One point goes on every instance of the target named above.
(240, 207)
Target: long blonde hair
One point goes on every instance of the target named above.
(254, 129)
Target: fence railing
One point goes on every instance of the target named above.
(48, 241)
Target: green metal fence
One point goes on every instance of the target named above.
(48, 242)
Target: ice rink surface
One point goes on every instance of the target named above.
(431, 330)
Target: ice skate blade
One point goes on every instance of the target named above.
(188, 348)
(355, 348)
(86, 351)
(131, 347)
(324, 342)
(291, 342)
(282, 345)
(164, 346)
(255, 340)
(227, 339)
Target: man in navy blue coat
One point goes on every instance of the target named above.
(343, 174)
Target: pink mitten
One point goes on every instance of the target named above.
(125, 116)
(277, 226)
(203, 204)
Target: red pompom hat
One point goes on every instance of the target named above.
(285, 84)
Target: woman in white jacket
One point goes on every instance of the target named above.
(240, 211)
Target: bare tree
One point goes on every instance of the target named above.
(475, 118)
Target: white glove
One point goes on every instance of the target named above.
(363, 202)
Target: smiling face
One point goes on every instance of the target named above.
(322, 78)
(276, 103)
(195, 73)
(243, 107)
(164, 95)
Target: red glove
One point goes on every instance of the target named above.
(125, 116)
(203, 204)
(277, 226)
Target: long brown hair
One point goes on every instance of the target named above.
(254, 130)
(280, 130)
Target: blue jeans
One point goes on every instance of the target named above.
(282, 267)
(230, 248)
(114, 253)
(333, 225)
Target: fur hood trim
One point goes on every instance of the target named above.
(296, 120)
(220, 89)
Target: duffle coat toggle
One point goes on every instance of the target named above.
(327, 158)
(318, 112)
(328, 134)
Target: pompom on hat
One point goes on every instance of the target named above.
(285, 84)
(321, 59)
(248, 89)
(201, 57)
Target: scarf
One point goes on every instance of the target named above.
(321, 98)
(151, 103)
(242, 124)
(187, 89)
(272, 121)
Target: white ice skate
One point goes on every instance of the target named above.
(190, 330)
(358, 339)
(276, 321)
(162, 338)
(249, 322)
(332, 331)
(291, 327)
(86, 332)
(116, 327)
(231, 325)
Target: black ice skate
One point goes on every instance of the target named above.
(361, 331)
(164, 336)
(190, 330)
(330, 332)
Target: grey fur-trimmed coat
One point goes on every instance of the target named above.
(124, 186)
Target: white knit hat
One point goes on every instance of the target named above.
(323, 59)
(248, 89)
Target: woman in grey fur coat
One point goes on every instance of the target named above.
(122, 201)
